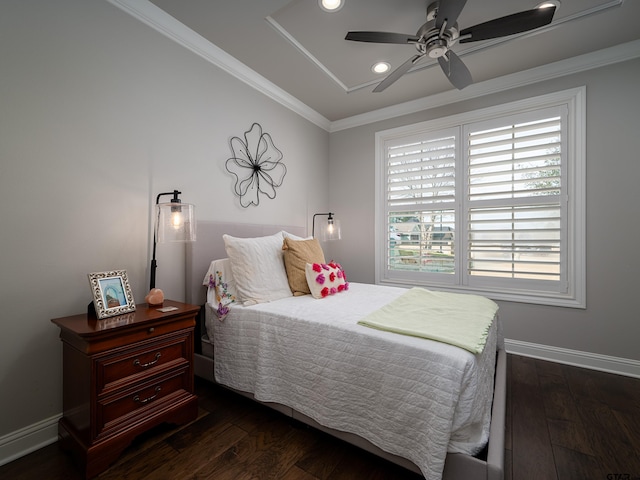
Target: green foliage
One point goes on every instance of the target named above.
(546, 179)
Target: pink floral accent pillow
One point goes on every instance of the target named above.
(325, 279)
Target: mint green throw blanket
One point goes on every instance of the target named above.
(458, 319)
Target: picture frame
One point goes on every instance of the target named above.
(111, 293)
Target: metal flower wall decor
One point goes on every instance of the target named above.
(257, 166)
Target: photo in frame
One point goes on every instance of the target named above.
(111, 293)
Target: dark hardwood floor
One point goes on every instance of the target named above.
(563, 423)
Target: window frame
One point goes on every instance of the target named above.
(573, 199)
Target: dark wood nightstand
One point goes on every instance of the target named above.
(123, 375)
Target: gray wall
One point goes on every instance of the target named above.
(99, 113)
(610, 325)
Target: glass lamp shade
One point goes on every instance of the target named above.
(176, 222)
(331, 230)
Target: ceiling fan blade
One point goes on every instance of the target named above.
(449, 10)
(397, 73)
(509, 25)
(381, 37)
(455, 70)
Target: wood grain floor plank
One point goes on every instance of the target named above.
(49, 462)
(184, 438)
(569, 434)
(354, 468)
(619, 393)
(508, 461)
(132, 468)
(572, 465)
(508, 407)
(201, 454)
(322, 458)
(630, 425)
(558, 401)
(236, 462)
(549, 368)
(280, 457)
(532, 452)
(296, 473)
(369, 467)
(608, 439)
(564, 423)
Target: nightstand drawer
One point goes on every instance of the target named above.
(119, 411)
(143, 360)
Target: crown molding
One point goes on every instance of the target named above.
(162, 22)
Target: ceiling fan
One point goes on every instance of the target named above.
(435, 38)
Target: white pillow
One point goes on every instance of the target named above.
(293, 236)
(258, 268)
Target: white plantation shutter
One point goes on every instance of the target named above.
(421, 173)
(421, 196)
(515, 225)
(491, 204)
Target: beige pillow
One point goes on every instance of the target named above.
(297, 253)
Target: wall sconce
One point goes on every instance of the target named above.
(331, 231)
(175, 222)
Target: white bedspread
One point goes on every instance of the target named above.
(409, 396)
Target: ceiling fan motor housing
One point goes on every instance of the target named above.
(436, 48)
(434, 42)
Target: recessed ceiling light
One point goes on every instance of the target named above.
(549, 3)
(331, 5)
(380, 67)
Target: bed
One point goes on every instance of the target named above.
(255, 345)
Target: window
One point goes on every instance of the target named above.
(488, 202)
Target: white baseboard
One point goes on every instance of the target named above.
(593, 361)
(28, 439)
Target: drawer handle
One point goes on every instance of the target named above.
(148, 399)
(137, 363)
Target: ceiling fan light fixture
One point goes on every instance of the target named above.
(380, 67)
(331, 5)
(436, 48)
(549, 4)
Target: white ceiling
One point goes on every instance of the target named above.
(301, 48)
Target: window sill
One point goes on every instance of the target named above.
(549, 299)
